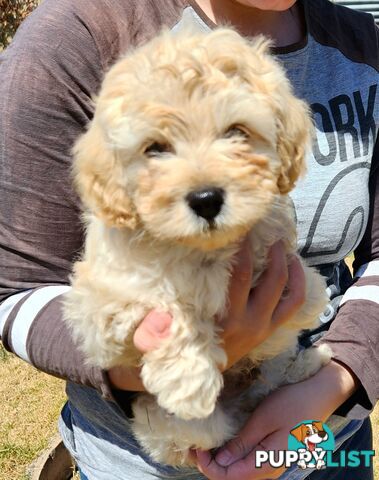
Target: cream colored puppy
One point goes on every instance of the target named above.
(196, 141)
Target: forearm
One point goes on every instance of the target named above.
(354, 340)
(333, 385)
(354, 334)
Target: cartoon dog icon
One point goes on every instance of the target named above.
(310, 434)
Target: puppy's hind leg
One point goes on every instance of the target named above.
(184, 372)
(168, 439)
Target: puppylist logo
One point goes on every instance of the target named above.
(312, 441)
(311, 445)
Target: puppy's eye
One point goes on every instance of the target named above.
(236, 131)
(155, 149)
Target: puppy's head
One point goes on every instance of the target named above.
(193, 137)
(310, 433)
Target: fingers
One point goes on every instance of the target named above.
(270, 288)
(296, 291)
(253, 315)
(153, 329)
(265, 471)
(233, 450)
(126, 378)
(281, 276)
(245, 467)
(240, 282)
(237, 448)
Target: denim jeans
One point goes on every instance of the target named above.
(361, 440)
(82, 476)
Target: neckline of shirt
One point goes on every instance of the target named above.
(290, 50)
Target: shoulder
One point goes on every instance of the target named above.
(352, 32)
(110, 26)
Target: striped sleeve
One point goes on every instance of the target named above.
(31, 326)
(46, 84)
(366, 286)
(354, 334)
(18, 312)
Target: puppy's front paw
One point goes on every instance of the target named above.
(308, 362)
(188, 389)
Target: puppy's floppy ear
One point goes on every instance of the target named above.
(294, 125)
(98, 179)
(299, 433)
(293, 140)
(319, 426)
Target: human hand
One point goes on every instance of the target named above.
(254, 315)
(270, 424)
(148, 335)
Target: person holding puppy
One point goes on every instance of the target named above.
(47, 79)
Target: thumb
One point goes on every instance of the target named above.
(250, 436)
(245, 468)
(152, 330)
(232, 451)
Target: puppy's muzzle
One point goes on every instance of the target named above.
(206, 203)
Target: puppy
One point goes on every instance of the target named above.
(196, 140)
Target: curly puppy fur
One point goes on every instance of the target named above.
(195, 142)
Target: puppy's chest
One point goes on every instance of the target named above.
(200, 284)
(162, 277)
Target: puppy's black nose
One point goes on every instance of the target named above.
(206, 203)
